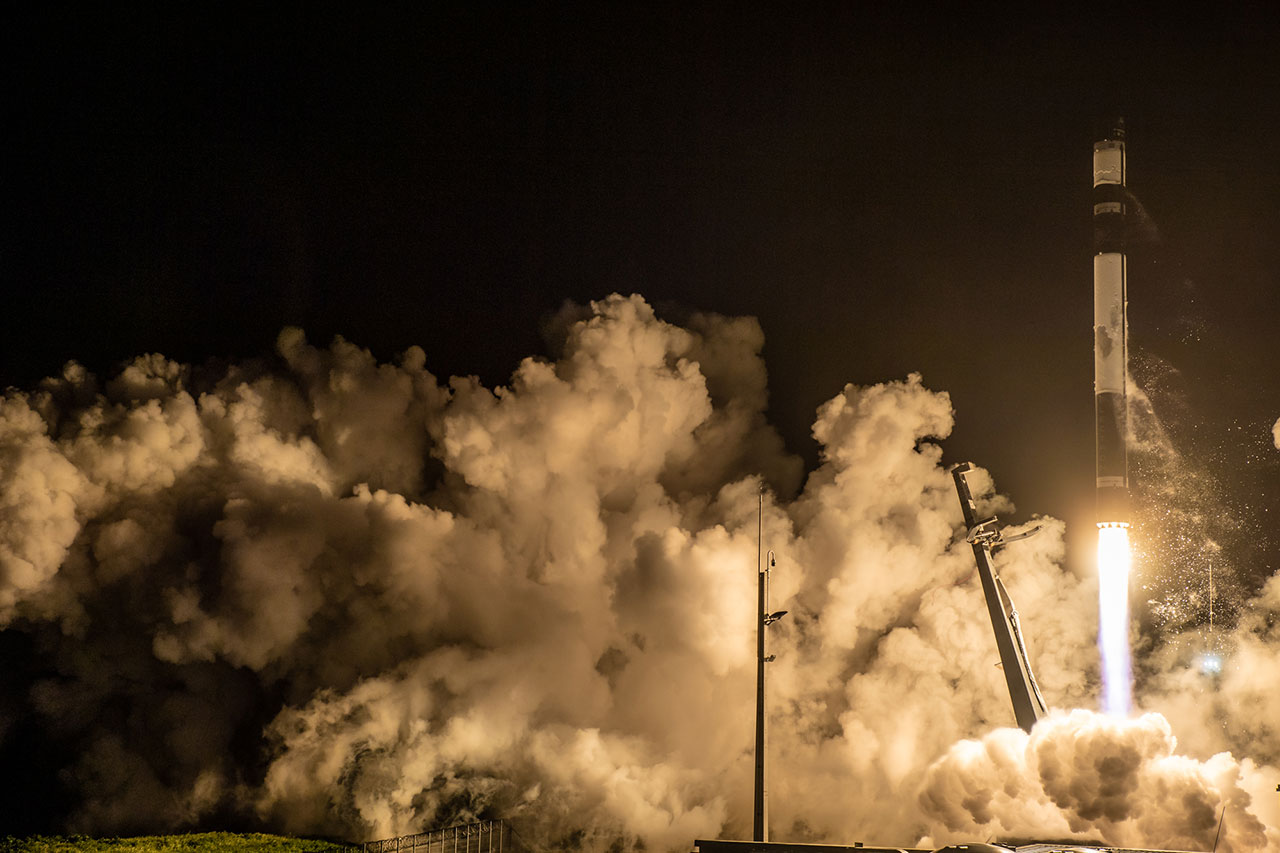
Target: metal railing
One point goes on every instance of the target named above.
(490, 836)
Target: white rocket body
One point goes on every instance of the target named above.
(1110, 327)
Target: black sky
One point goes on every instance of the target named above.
(888, 191)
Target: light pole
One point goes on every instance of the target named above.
(764, 562)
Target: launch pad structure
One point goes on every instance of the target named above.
(985, 537)
(966, 847)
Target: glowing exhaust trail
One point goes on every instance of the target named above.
(1114, 559)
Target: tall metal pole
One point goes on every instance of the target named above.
(760, 831)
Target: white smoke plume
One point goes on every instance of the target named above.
(330, 596)
(1084, 772)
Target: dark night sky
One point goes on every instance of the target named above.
(888, 192)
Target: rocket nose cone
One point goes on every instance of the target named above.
(1111, 127)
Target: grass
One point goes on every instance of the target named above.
(203, 842)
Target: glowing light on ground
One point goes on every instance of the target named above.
(1114, 560)
(1210, 664)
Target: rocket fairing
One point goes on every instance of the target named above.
(1110, 326)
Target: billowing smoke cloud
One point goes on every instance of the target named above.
(328, 595)
(1275, 433)
(1084, 772)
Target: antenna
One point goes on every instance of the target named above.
(764, 562)
(1221, 818)
(760, 824)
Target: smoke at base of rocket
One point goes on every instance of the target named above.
(441, 601)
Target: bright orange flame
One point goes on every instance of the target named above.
(1114, 562)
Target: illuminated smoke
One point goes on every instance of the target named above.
(1275, 433)
(1114, 560)
(330, 595)
(1079, 773)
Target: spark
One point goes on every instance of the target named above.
(1114, 561)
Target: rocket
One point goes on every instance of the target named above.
(1110, 326)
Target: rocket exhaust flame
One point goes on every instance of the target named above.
(1114, 561)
